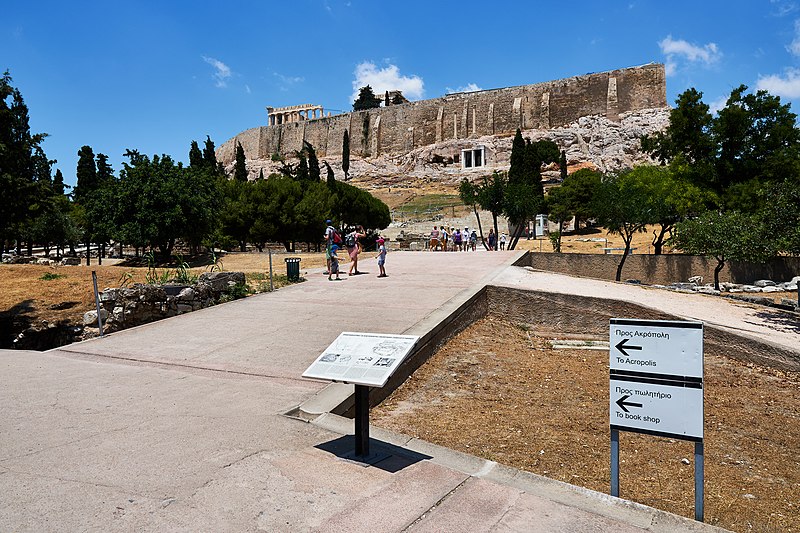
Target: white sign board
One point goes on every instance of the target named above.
(362, 358)
(656, 377)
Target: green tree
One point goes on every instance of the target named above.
(491, 195)
(726, 236)
(622, 206)
(780, 215)
(468, 193)
(516, 172)
(58, 183)
(239, 167)
(313, 162)
(346, 155)
(366, 99)
(195, 155)
(688, 133)
(562, 166)
(559, 208)
(579, 189)
(210, 155)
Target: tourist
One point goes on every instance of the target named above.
(457, 240)
(473, 240)
(334, 266)
(465, 238)
(492, 240)
(434, 241)
(354, 248)
(381, 257)
(503, 239)
(443, 238)
(330, 233)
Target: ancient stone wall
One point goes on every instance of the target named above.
(398, 129)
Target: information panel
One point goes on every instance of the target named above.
(656, 377)
(362, 358)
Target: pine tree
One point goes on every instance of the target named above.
(105, 174)
(366, 99)
(346, 155)
(239, 167)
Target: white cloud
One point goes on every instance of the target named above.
(386, 79)
(783, 8)
(717, 104)
(786, 86)
(468, 88)
(221, 71)
(247, 89)
(794, 47)
(678, 50)
(287, 82)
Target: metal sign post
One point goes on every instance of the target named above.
(656, 387)
(365, 360)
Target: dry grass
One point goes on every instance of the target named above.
(497, 392)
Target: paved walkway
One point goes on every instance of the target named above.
(178, 425)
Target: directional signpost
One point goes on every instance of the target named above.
(656, 387)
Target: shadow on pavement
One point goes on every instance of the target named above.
(387, 457)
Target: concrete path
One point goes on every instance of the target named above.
(178, 425)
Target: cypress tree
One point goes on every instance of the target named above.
(86, 173)
(209, 154)
(313, 162)
(58, 183)
(195, 155)
(239, 167)
(346, 155)
(562, 165)
(517, 170)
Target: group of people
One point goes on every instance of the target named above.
(351, 242)
(446, 238)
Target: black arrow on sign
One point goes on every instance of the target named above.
(622, 403)
(621, 346)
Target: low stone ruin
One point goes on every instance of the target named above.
(140, 303)
(744, 292)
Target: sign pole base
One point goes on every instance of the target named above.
(362, 420)
(615, 463)
(699, 463)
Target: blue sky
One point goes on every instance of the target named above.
(153, 76)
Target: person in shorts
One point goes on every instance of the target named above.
(334, 269)
(381, 257)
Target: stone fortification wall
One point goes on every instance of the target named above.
(401, 128)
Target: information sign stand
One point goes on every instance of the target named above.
(365, 360)
(656, 387)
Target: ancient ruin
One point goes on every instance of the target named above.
(591, 116)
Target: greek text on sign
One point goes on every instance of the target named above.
(656, 377)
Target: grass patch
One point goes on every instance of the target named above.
(430, 204)
(259, 281)
(50, 276)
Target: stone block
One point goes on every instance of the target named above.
(91, 317)
(764, 283)
(71, 261)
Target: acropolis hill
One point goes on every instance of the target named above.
(596, 118)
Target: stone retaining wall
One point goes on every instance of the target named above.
(661, 269)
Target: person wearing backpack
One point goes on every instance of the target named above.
(353, 248)
(331, 237)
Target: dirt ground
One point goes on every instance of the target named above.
(31, 294)
(499, 392)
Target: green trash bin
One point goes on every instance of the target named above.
(293, 268)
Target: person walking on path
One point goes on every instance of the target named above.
(443, 238)
(473, 239)
(329, 238)
(381, 257)
(465, 238)
(503, 241)
(353, 248)
(334, 264)
(492, 240)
